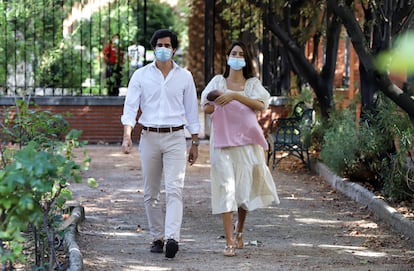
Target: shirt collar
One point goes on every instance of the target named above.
(175, 65)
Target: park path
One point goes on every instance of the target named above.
(314, 227)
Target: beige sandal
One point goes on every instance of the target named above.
(229, 251)
(239, 240)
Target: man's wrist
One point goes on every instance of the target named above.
(195, 142)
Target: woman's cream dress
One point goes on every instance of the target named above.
(239, 175)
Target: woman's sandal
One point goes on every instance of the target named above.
(239, 240)
(229, 251)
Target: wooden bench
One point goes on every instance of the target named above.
(291, 135)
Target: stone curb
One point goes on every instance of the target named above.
(75, 255)
(378, 206)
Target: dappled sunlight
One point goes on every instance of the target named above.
(114, 234)
(365, 224)
(124, 165)
(107, 261)
(313, 226)
(368, 253)
(316, 221)
(206, 180)
(187, 240)
(117, 154)
(131, 191)
(148, 268)
(263, 226)
(359, 251)
(203, 165)
(293, 197)
(354, 250)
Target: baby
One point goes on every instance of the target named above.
(214, 95)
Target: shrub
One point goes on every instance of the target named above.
(374, 151)
(338, 147)
(34, 177)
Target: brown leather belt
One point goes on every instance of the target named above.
(163, 129)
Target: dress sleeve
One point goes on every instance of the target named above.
(255, 90)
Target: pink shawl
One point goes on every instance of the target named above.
(235, 124)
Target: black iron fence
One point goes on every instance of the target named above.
(55, 47)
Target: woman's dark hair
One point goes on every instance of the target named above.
(163, 33)
(248, 69)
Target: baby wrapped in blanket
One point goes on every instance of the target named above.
(235, 124)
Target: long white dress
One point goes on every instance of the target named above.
(239, 175)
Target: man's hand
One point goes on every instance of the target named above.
(127, 144)
(193, 154)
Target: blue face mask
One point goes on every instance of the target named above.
(163, 54)
(236, 63)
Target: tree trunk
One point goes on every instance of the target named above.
(304, 68)
(383, 82)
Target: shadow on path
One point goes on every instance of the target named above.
(314, 227)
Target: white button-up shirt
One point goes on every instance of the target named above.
(164, 102)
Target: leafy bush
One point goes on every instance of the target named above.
(62, 67)
(374, 151)
(338, 147)
(34, 177)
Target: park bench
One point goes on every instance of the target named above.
(291, 135)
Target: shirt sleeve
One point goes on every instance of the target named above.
(132, 101)
(191, 106)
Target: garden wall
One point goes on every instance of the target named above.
(100, 117)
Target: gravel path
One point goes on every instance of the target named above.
(314, 228)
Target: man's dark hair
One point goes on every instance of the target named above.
(163, 33)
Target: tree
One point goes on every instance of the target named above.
(384, 20)
(34, 52)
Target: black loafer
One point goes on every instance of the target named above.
(171, 248)
(157, 246)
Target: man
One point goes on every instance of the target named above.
(114, 58)
(166, 96)
(136, 55)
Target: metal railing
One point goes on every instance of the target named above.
(55, 47)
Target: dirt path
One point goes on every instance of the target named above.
(314, 228)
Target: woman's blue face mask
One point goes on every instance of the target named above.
(236, 63)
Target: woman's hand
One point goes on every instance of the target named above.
(225, 98)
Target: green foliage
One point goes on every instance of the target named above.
(34, 179)
(244, 16)
(375, 151)
(23, 124)
(31, 28)
(305, 95)
(339, 148)
(62, 67)
(393, 169)
(127, 19)
(32, 36)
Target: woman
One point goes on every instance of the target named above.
(241, 180)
